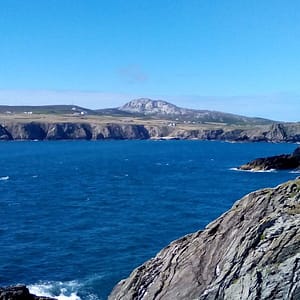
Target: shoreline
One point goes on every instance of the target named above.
(41, 131)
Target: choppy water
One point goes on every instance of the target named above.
(76, 217)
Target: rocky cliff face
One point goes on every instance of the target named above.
(288, 132)
(90, 131)
(74, 131)
(250, 252)
(147, 106)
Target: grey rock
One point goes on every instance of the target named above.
(152, 107)
(4, 134)
(250, 252)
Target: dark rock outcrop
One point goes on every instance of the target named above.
(19, 292)
(278, 162)
(250, 252)
(4, 134)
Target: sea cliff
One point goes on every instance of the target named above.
(250, 252)
(279, 132)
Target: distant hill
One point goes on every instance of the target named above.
(163, 109)
(142, 108)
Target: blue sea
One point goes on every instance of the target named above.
(78, 216)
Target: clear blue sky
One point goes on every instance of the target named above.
(240, 56)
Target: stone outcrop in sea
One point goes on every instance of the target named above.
(250, 252)
(278, 162)
(280, 132)
(19, 292)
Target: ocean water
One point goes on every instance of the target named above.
(77, 216)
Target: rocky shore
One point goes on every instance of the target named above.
(250, 252)
(19, 292)
(279, 132)
(278, 162)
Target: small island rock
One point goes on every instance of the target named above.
(278, 162)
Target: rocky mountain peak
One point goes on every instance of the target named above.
(166, 110)
(147, 106)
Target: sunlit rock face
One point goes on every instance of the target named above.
(250, 252)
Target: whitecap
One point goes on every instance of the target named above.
(264, 171)
(59, 290)
(4, 178)
(235, 169)
(295, 172)
(253, 170)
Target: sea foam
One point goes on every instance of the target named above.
(59, 290)
(253, 170)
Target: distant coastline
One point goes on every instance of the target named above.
(83, 130)
(138, 119)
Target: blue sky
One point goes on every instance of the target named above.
(235, 56)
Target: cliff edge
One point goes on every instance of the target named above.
(250, 252)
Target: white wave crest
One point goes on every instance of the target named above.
(295, 172)
(58, 290)
(4, 178)
(235, 169)
(253, 170)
